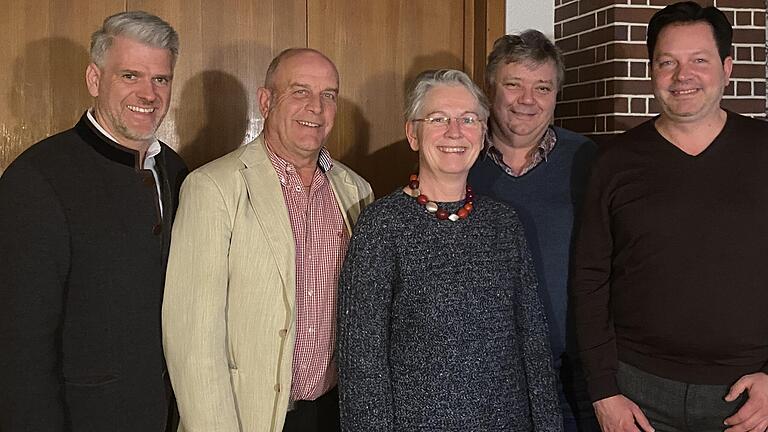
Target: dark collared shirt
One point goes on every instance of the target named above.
(545, 147)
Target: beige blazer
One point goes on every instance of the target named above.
(228, 311)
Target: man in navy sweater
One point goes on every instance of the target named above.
(539, 170)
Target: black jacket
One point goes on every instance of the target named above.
(83, 250)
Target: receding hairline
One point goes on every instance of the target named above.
(289, 53)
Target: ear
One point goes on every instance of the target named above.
(727, 69)
(410, 134)
(92, 79)
(264, 99)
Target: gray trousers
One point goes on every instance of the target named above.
(673, 406)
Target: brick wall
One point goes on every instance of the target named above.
(607, 85)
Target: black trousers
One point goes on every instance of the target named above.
(319, 415)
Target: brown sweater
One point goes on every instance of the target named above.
(670, 268)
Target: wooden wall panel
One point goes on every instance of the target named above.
(45, 53)
(379, 47)
(226, 47)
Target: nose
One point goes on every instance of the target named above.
(683, 72)
(146, 90)
(315, 104)
(527, 96)
(454, 129)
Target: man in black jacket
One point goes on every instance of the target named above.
(85, 221)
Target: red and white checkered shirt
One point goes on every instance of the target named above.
(321, 240)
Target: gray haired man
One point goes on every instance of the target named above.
(85, 221)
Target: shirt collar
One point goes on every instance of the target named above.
(544, 148)
(282, 166)
(152, 151)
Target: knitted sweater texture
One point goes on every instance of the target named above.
(440, 326)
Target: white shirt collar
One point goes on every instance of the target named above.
(152, 151)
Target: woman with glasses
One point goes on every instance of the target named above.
(440, 325)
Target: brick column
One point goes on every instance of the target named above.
(607, 85)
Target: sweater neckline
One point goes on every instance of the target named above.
(712, 147)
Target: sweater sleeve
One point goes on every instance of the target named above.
(590, 290)
(34, 252)
(532, 324)
(364, 305)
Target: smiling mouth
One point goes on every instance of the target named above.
(452, 149)
(307, 124)
(138, 109)
(684, 92)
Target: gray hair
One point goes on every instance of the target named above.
(137, 25)
(530, 46)
(428, 80)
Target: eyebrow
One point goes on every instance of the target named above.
(693, 53)
(140, 73)
(446, 114)
(308, 87)
(515, 78)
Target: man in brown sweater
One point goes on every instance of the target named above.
(669, 270)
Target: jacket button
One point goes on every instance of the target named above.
(283, 332)
(149, 180)
(157, 229)
(277, 388)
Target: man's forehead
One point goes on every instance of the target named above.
(703, 37)
(124, 52)
(326, 82)
(307, 68)
(544, 71)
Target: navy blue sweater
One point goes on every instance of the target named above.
(545, 199)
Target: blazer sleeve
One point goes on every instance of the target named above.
(34, 257)
(194, 309)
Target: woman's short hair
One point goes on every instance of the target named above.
(429, 79)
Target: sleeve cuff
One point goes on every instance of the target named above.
(602, 387)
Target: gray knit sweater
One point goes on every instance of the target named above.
(440, 326)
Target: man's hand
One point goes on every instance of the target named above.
(619, 414)
(753, 415)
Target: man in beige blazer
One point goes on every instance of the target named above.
(257, 245)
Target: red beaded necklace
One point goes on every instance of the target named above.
(413, 190)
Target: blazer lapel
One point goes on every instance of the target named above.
(347, 195)
(266, 199)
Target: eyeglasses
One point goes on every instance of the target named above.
(467, 121)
